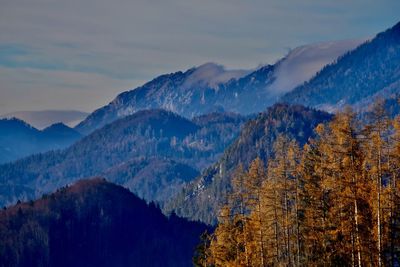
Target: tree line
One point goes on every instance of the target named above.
(333, 202)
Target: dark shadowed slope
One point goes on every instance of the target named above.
(94, 223)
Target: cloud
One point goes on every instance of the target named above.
(213, 74)
(125, 40)
(302, 63)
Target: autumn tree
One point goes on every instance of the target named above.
(336, 202)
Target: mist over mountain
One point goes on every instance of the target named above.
(304, 62)
(94, 223)
(357, 78)
(210, 87)
(19, 139)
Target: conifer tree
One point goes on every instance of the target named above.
(314, 204)
(334, 203)
(377, 165)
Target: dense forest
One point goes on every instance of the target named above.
(152, 152)
(94, 223)
(333, 202)
(202, 198)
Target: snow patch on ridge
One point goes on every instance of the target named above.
(212, 74)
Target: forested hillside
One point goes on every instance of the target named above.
(332, 202)
(202, 198)
(153, 153)
(94, 223)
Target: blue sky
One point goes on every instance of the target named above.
(80, 54)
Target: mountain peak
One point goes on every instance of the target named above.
(57, 125)
(60, 129)
(44, 118)
(14, 123)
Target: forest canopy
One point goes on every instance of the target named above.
(333, 202)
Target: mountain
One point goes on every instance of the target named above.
(202, 198)
(94, 223)
(184, 93)
(152, 152)
(357, 78)
(44, 118)
(19, 139)
(210, 87)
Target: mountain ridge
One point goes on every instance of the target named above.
(202, 198)
(19, 139)
(94, 223)
(210, 87)
(139, 151)
(356, 78)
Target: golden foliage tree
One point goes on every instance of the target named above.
(336, 202)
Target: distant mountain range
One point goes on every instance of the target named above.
(19, 139)
(357, 78)
(45, 118)
(173, 139)
(327, 76)
(202, 198)
(152, 152)
(210, 87)
(94, 223)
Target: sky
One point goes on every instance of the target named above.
(79, 54)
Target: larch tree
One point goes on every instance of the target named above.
(336, 202)
(377, 133)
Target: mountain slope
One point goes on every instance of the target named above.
(94, 223)
(212, 88)
(302, 63)
(184, 93)
(152, 152)
(202, 198)
(371, 70)
(19, 139)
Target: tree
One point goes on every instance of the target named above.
(336, 202)
(377, 164)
